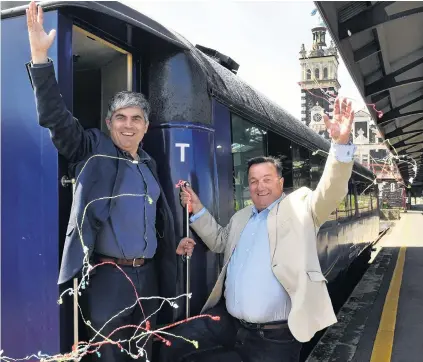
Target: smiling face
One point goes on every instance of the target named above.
(265, 185)
(127, 128)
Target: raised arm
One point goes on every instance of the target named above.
(67, 133)
(333, 185)
(204, 224)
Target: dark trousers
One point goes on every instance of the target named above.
(229, 340)
(109, 293)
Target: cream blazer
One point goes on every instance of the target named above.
(292, 225)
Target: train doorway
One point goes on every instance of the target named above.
(100, 69)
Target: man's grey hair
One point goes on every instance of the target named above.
(126, 99)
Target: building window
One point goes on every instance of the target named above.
(308, 74)
(361, 134)
(365, 160)
(392, 187)
(378, 155)
(325, 73)
(248, 141)
(316, 73)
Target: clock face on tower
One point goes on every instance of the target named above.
(317, 117)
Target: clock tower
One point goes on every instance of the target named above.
(319, 80)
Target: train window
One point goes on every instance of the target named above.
(248, 141)
(100, 70)
(343, 208)
(300, 166)
(281, 147)
(364, 203)
(347, 208)
(317, 165)
(375, 199)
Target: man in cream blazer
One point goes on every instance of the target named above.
(280, 298)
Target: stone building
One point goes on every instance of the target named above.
(319, 82)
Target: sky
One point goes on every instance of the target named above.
(264, 37)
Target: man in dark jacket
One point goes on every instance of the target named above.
(117, 205)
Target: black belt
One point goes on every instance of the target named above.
(135, 263)
(270, 325)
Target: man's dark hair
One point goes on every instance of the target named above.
(262, 159)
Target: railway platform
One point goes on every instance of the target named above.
(382, 320)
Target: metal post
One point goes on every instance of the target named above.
(65, 182)
(188, 266)
(75, 312)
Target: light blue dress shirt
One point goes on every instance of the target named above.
(252, 291)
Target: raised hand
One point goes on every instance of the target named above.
(39, 41)
(188, 195)
(339, 127)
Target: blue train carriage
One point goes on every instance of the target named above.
(205, 123)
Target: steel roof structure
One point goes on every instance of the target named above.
(381, 44)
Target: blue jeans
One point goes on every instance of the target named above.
(228, 340)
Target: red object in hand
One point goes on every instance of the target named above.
(181, 184)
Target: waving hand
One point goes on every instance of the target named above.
(39, 40)
(339, 127)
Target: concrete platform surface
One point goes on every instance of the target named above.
(382, 321)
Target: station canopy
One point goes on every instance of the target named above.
(381, 43)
